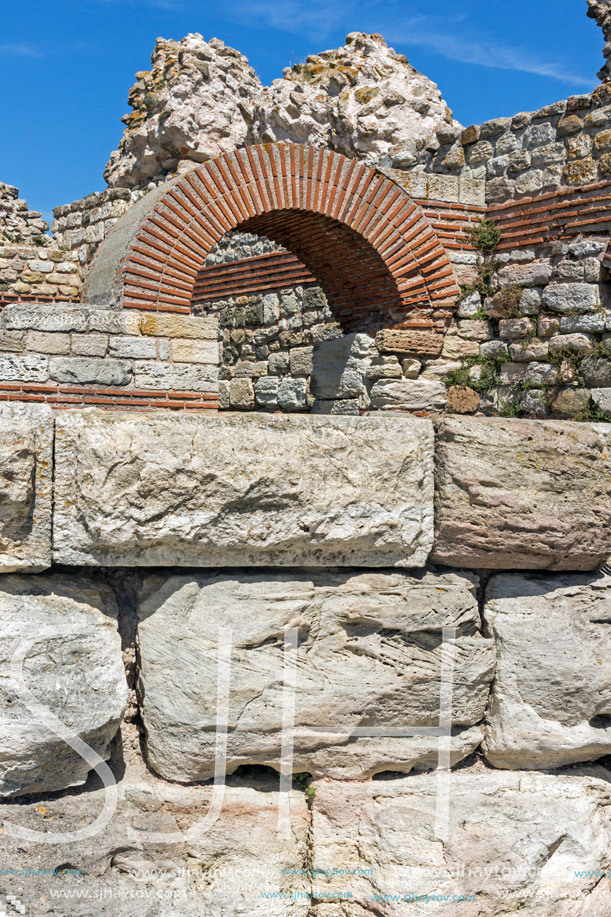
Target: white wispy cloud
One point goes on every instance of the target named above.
(451, 37)
(462, 45)
(19, 49)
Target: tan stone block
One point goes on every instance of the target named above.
(602, 141)
(179, 326)
(572, 124)
(32, 277)
(455, 347)
(581, 171)
(470, 135)
(195, 351)
(462, 399)
(570, 402)
(44, 342)
(425, 343)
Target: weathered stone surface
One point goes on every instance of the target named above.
(84, 370)
(201, 99)
(537, 844)
(423, 343)
(462, 399)
(369, 654)
(146, 489)
(187, 107)
(596, 372)
(455, 347)
(570, 402)
(408, 395)
(26, 475)
(602, 397)
(551, 701)
(514, 494)
(340, 366)
(238, 866)
(65, 627)
(575, 343)
(571, 297)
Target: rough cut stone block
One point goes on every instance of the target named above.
(533, 844)
(221, 490)
(180, 326)
(29, 367)
(423, 343)
(339, 366)
(369, 654)
(522, 494)
(178, 376)
(90, 370)
(551, 701)
(408, 395)
(602, 397)
(570, 298)
(238, 866)
(26, 455)
(65, 628)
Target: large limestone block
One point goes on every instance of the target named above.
(64, 629)
(533, 844)
(26, 475)
(369, 655)
(160, 855)
(551, 700)
(235, 489)
(520, 494)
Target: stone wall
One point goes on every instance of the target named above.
(68, 355)
(17, 223)
(32, 264)
(566, 143)
(372, 539)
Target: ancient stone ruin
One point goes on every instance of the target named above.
(305, 463)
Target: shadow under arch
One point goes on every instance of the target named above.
(368, 244)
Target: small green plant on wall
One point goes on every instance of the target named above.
(489, 375)
(484, 237)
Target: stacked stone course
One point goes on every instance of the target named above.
(154, 550)
(68, 355)
(371, 536)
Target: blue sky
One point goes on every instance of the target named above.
(66, 67)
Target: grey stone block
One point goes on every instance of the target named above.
(300, 361)
(376, 652)
(135, 348)
(266, 391)
(552, 690)
(571, 297)
(242, 489)
(26, 476)
(499, 503)
(66, 628)
(23, 368)
(292, 394)
(409, 394)
(90, 370)
(182, 377)
(241, 393)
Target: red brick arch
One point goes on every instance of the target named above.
(364, 239)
